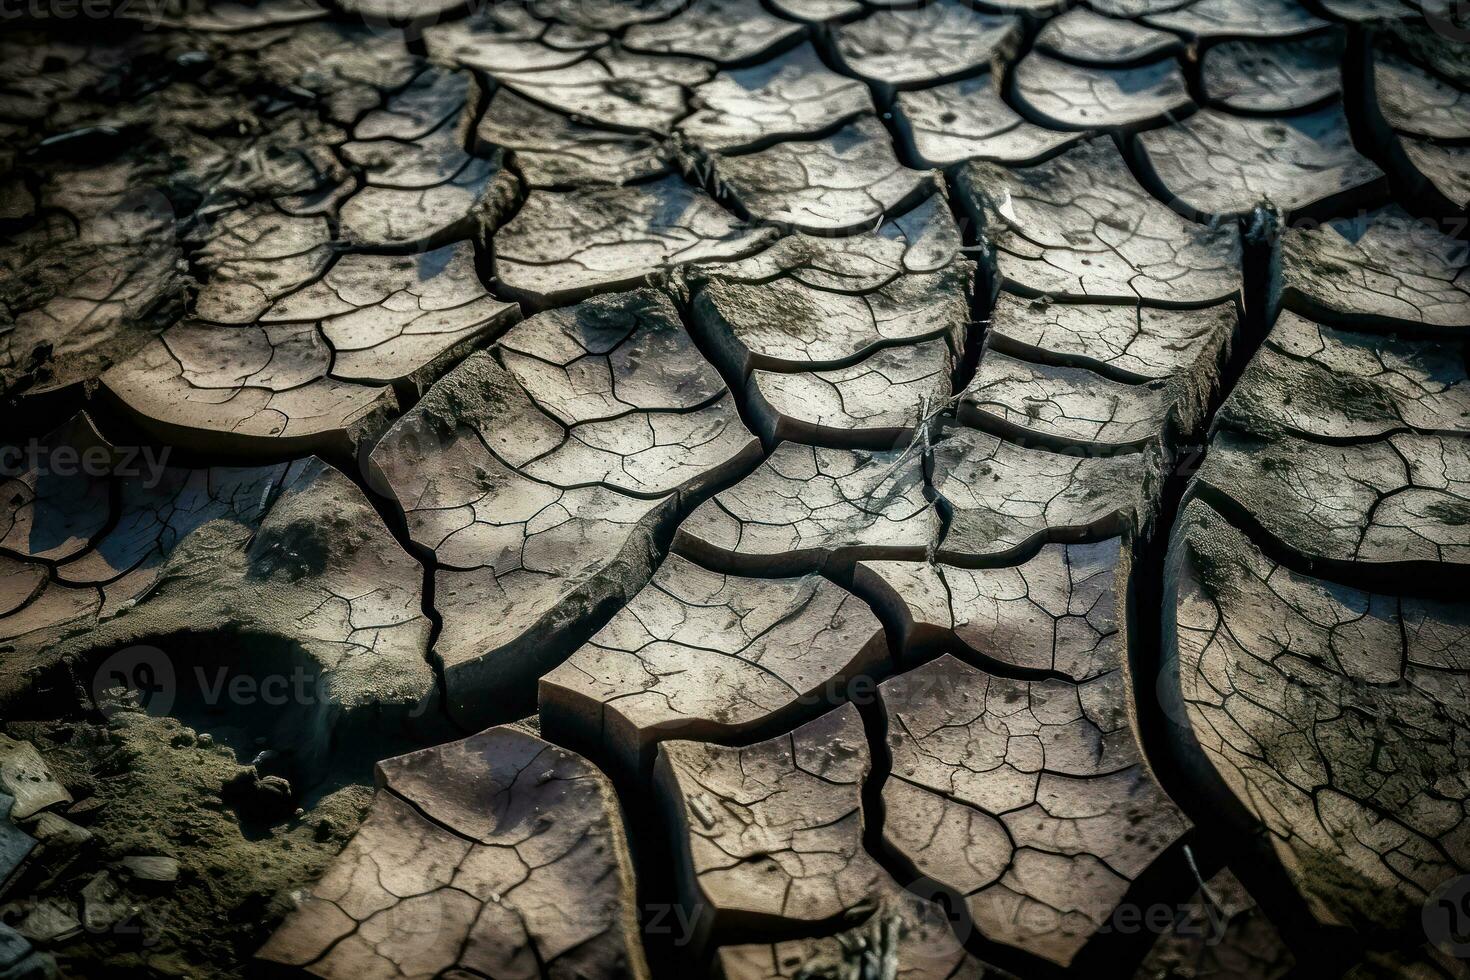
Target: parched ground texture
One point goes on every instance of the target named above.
(738, 488)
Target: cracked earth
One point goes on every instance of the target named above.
(738, 488)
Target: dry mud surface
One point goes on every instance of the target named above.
(734, 488)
